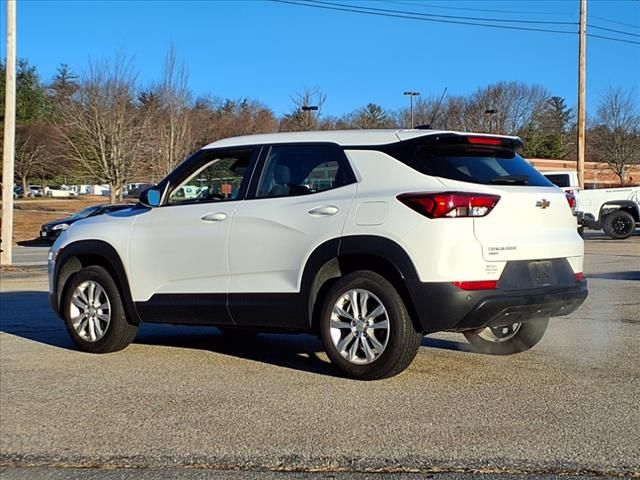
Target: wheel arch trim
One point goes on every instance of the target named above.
(323, 263)
(110, 259)
(623, 205)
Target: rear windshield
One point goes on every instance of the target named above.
(561, 179)
(468, 163)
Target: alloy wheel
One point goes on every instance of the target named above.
(90, 311)
(499, 334)
(359, 326)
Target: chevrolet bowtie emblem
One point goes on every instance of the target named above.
(544, 203)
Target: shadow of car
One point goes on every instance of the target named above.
(52, 230)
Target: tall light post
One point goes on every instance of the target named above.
(411, 95)
(9, 138)
(309, 109)
(491, 112)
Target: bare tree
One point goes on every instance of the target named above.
(615, 135)
(169, 127)
(302, 118)
(29, 157)
(424, 110)
(213, 119)
(513, 105)
(101, 128)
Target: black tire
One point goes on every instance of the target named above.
(619, 224)
(526, 336)
(118, 333)
(401, 339)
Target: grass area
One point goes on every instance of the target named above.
(29, 214)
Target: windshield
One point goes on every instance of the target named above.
(84, 213)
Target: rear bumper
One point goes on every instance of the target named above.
(588, 220)
(443, 306)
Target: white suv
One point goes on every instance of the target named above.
(369, 239)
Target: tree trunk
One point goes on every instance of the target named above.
(25, 187)
(112, 193)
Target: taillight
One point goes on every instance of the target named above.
(580, 277)
(571, 198)
(477, 285)
(450, 204)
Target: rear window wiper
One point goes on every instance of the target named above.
(511, 180)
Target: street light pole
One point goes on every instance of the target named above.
(411, 95)
(9, 137)
(309, 109)
(491, 112)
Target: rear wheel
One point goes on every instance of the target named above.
(507, 339)
(366, 329)
(619, 224)
(94, 313)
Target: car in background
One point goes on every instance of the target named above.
(34, 191)
(60, 192)
(52, 230)
(136, 189)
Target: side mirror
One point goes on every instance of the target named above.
(150, 197)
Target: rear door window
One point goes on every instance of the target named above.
(303, 169)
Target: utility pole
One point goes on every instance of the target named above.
(411, 95)
(9, 137)
(581, 91)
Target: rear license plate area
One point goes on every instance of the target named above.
(540, 273)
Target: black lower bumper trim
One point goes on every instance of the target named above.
(442, 306)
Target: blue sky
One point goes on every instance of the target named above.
(267, 51)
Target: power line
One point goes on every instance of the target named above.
(413, 4)
(614, 21)
(611, 38)
(508, 12)
(456, 17)
(613, 30)
(439, 18)
(408, 16)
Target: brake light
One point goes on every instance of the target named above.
(580, 277)
(477, 285)
(450, 204)
(571, 198)
(484, 140)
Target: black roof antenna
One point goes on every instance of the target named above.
(433, 117)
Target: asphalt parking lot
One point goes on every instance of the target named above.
(189, 402)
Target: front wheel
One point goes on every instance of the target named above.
(507, 339)
(619, 224)
(94, 313)
(366, 329)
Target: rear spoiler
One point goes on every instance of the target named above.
(473, 139)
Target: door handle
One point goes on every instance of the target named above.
(214, 217)
(324, 211)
